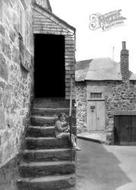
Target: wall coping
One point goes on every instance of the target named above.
(125, 113)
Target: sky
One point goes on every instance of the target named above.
(98, 43)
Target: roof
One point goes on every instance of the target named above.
(44, 3)
(55, 17)
(49, 5)
(99, 69)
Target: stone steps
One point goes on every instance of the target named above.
(51, 103)
(40, 169)
(38, 131)
(49, 111)
(47, 183)
(41, 121)
(46, 143)
(47, 162)
(48, 155)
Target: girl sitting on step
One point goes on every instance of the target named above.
(62, 130)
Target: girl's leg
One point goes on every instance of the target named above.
(67, 135)
(73, 140)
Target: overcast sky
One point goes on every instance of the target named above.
(98, 43)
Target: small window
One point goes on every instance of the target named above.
(96, 95)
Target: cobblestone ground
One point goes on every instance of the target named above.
(103, 167)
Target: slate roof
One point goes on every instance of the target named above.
(99, 69)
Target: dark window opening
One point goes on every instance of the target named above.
(96, 95)
(49, 65)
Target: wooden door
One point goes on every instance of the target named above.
(125, 129)
(96, 116)
(133, 130)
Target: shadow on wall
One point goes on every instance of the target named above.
(98, 169)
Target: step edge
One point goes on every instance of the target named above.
(47, 178)
(41, 127)
(54, 109)
(46, 163)
(46, 150)
(44, 117)
(40, 138)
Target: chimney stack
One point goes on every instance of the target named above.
(124, 62)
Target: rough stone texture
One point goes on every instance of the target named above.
(123, 98)
(118, 97)
(15, 81)
(3, 68)
(124, 58)
(81, 107)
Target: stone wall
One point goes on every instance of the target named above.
(122, 99)
(16, 55)
(81, 107)
(118, 96)
(48, 23)
(83, 90)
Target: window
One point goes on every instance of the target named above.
(94, 95)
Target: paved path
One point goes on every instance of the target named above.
(104, 167)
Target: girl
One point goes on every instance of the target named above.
(62, 130)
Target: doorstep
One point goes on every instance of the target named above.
(95, 137)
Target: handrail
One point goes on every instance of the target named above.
(70, 105)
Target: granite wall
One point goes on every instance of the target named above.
(122, 99)
(118, 97)
(16, 68)
(81, 107)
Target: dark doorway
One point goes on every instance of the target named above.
(125, 129)
(49, 74)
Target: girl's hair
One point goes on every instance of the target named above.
(61, 114)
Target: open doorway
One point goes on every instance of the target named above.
(49, 66)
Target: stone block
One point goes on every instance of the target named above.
(6, 135)
(15, 55)
(6, 49)
(3, 68)
(1, 10)
(10, 123)
(2, 84)
(0, 156)
(2, 30)
(2, 118)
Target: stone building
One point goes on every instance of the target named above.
(37, 58)
(16, 70)
(106, 98)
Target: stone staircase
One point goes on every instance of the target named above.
(47, 163)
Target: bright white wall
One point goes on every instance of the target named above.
(91, 44)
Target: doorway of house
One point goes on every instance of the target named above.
(96, 116)
(49, 66)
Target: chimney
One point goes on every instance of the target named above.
(124, 62)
